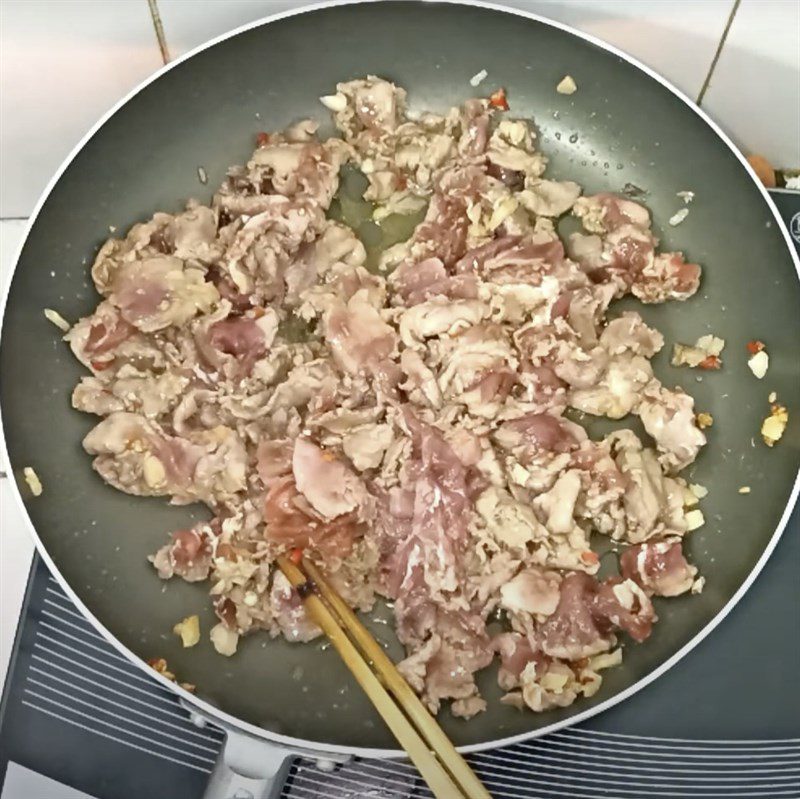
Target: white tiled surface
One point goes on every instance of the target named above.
(16, 546)
(63, 63)
(755, 89)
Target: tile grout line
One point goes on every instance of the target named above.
(158, 25)
(722, 39)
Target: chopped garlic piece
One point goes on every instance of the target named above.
(57, 319)
(478, 78)
(694, 519)
(686, 196)
(705, 347)
(689, 498)
(33, 481)
(188, 630)
(698, 585)
(605, 660)
(678, 217)
(711, 344)
(772, 396)
(701, 492)
(567, 85)
(744, 490)
(225, 641)
(153, 471)
(704, 420)
(335, 102)
(553, 682)
(774, 425)
(250, 599)
(502, 211)
(759, 363)
(202, 175)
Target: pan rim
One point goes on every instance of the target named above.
(228, 721)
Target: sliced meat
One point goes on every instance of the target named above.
(659, 567)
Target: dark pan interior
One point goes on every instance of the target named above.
(621, 127)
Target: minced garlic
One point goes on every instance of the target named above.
(188, 630)
(678, 216)
(225, 641)
(699, 491)
(33, 481)
(694, 519)
(704, 420)
(57, 319)
(774, 425)
(704, 353)
(759, 363)
(567, 85)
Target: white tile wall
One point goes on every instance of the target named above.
(63, 63)
(755, 89)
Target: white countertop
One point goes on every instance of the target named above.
(65, 62)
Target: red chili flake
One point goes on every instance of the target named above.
(712, 362)
(498, 100)
(755, 346)
(98, 366)
(402, 182)
(262, 139)
(590, 558)
(296, 555)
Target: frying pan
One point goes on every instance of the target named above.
(624, 125)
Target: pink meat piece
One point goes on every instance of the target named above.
(95, 338)
(669, 277)
(475, 119)
(636, 621)
(178, 457)
(659, 567)
(240, 337)
(515, 653)
(418, 282)
(574, 631)
(291, 521)
(227, 289)
(444, 229)
(105, 335)
(588, 612)
(357, 335)
(495, 384)
(289, 613)
(444, 667)
(426, 535)
(542, 431)
(330, 487)
(616, 212)
(274, 459)
(513, 259)
(188, 554)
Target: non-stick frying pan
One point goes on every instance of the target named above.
(623, 126)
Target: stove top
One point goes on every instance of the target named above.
(78, 720)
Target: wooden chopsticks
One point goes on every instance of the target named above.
(447, 774)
